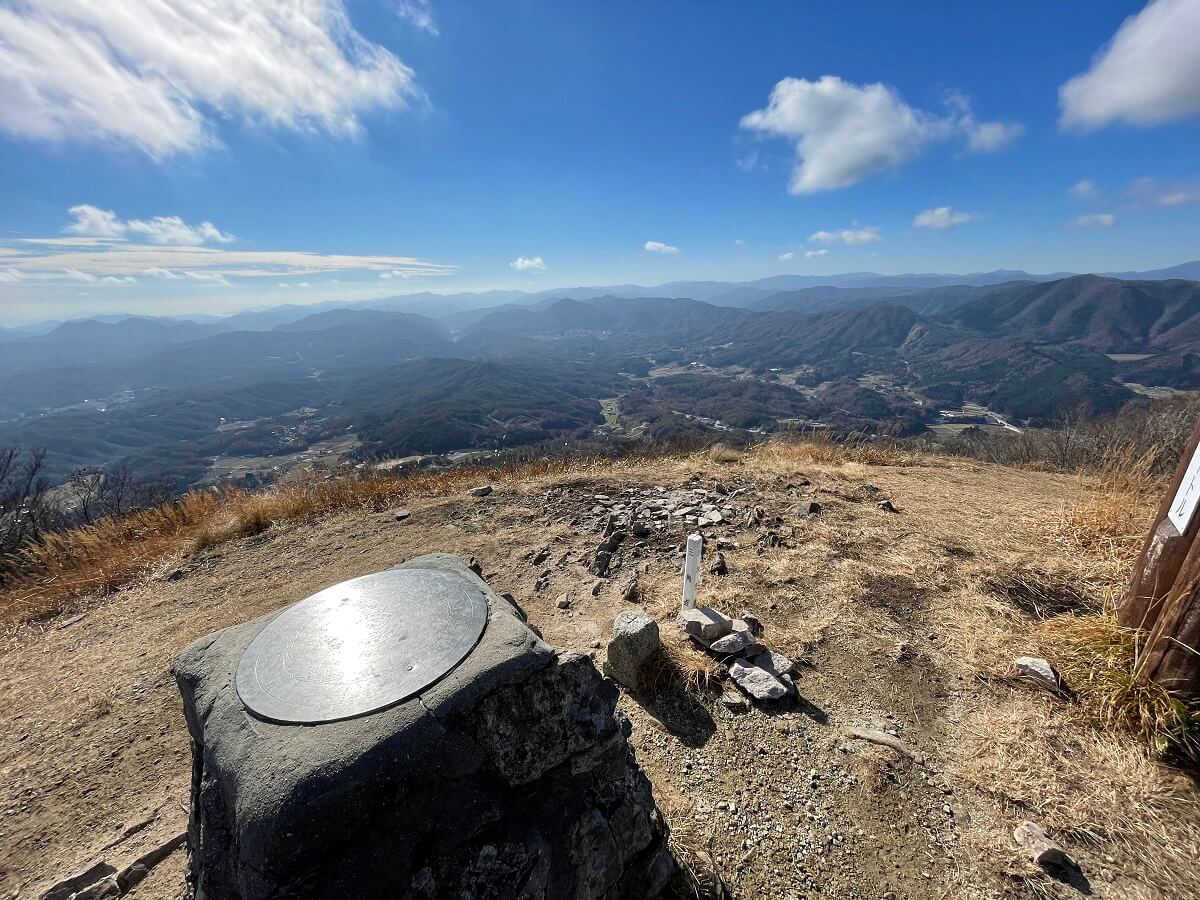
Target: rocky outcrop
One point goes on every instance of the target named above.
(512, 777)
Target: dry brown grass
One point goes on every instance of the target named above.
(95, 560)
(724, 454)
(825, 449)
(1106, 523)
(1098, 657)
(1086, 786)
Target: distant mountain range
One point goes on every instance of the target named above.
(464, 308)
(171, 395)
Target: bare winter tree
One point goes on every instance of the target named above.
(26, 510)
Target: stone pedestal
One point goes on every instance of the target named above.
(512, 777)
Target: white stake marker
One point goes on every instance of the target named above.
(691, 570)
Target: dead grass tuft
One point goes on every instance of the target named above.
(822, 448)
(1098, 657)
(681, 666)
(1114, 506)
(724, 454)
(1087, 786)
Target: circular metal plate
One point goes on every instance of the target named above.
(361, 646)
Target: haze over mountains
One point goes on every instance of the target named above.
(193, 401)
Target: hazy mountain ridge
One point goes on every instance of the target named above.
(863, 357)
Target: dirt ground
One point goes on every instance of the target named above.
(893, 615)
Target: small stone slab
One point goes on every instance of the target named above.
(1038, 846)
(705, 624)
(1040, 670)
(757, 682)
(482, 491)
(775, 663)
(736, 643)
(400, 515)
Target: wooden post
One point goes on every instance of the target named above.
(1166, 545)
(1171, 654)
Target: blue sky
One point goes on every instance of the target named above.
(391, 146)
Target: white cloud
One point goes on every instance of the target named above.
(1178, 198)
(855, 237)
(787, 257)
(942, 217)
(173, 230)
(1148, 73)
(201, 264)
(164, 274)
(659, 247)
(156, 75)
(528, 264)
(809, 254)
(118, 279)
(1096, 220)
(419, 13)
(738, 242)
(76, 275)
(93, 222)
(988, 137)
(1084, 190)
(749, 162)
(1151, 192)
(844, 133)
(208, 277)
(10, 276)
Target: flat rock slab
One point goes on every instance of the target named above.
(758, 683)
(705, 623)
(512, 777)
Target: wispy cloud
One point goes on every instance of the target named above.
(157, 75)
(809, 254)
(1147, 74)
(1152, 192)
(943, 217)
(660, 247)
(844, 133)
(417, 12)
(787, 257)
(1095, 220)
(1084, 190)
(528, 264)
(854, 237)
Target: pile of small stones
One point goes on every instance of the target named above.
(760, 672)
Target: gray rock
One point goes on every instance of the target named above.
(94, 872)
(757, 682)
(1032, 838)
(1039, 670)
(739, 642)
(735, 702)
(757, 628)
(887, 506)
(400, 515)
(563, 601)
(510, 777)
(719, 566)
(634, 642)
(600, 563)
(631, 591)
(482, 490)
(775, 663)
(705, 624)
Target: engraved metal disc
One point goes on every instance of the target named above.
(361, 646)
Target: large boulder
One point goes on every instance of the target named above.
(512, 777)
